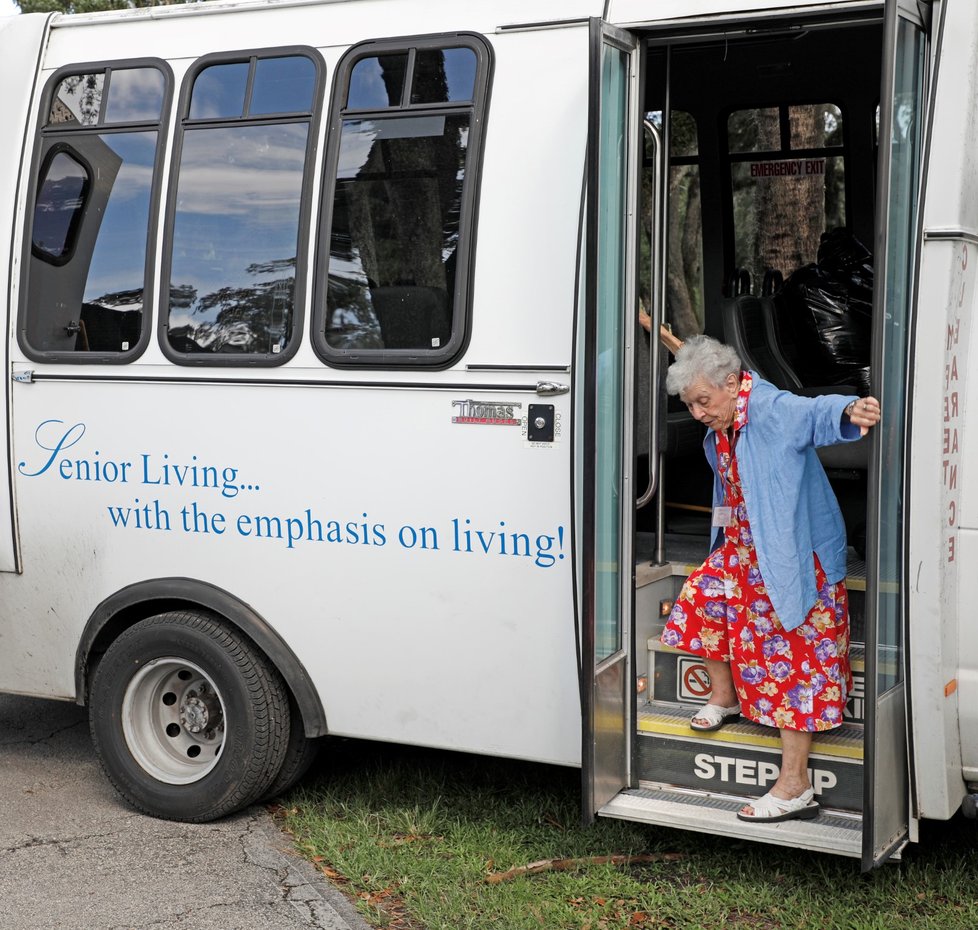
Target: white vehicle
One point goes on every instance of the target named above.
(328, 407)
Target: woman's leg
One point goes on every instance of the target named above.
(723, 692)
(793, 780)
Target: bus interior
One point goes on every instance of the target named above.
(767, 209)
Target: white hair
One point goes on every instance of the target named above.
(701, 358)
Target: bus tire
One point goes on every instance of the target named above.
(190, 721)
(299, 757)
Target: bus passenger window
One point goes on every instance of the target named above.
(90, 254)
(444, 75)
(236, 212)
(378, 82)
(137, 96)
(405, 142)
(219, 91)
(283, 85)
(78, 100)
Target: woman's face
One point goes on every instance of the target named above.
(713, 406)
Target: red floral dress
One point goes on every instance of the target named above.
(795, 680)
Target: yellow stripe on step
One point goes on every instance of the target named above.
(744, 735)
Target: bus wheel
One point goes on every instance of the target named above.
(299, 757)
(189, 720)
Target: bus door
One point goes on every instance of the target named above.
(886, 817)
(603, 367)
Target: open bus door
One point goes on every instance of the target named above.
(603, 486)
(886, 813)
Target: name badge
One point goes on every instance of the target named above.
(722, 516)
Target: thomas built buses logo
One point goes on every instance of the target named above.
(485, 413)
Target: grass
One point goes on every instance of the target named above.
(412, 835)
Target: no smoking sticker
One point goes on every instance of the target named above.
(694, 681)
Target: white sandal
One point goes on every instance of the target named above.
(770, 809)
(716, 716)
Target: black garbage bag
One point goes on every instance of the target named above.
(829, 306)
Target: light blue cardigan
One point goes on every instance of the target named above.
(792, 509)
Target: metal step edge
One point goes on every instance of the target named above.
(843, 743)
(857, 652)
(831, 832)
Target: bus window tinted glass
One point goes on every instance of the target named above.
(78, 100)
(219, 91)
(59, 206)
(754, 131)
(135, 95)
(781, 209)
(443, 75)
(791, 191)
(396, 212)
(683, 140)
(283, 85)
(815, 126)
(235, 239)
(377, 83)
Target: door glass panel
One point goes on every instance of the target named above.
(612, 156)
(901, 225)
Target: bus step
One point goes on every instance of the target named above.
(743, 758)
(836, 832)
(680, 678)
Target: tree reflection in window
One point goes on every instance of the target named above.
(395, 231)
(90, 227)
(237, 211)
(398, 203)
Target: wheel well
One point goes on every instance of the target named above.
(137, 602)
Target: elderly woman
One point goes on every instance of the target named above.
(767, 611)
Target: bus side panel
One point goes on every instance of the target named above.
(529, 212)
(21, 38)
(418, 566)
(943, 637)
(194, 30)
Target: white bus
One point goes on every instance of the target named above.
(330, 409)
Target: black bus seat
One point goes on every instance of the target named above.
(749, 326)
(745, 329)
(773, 282)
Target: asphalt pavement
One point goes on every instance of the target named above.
(73, 856)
